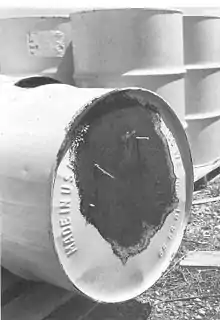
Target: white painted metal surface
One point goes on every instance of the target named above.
(202, 59)
(33, 45)
(201, 41)
(45, 235)
(131, 47)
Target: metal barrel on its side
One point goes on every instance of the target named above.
(200, 11)
(34, 42)
(95, 187)
(131, 47)
(202, 86)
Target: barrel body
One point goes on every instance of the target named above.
(201, 42)
(67, 155)
(202, 59)
(203, 135)
(200, 11)
(27, 239)
(130, 47)
(202, 88)
(34, 45)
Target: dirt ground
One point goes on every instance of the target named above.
(202, 233)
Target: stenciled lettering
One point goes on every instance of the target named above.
(65, 189)
(68, 179)
(65, 221)
(65, 206)
(70, 249)
(68, 240)
(66, 230)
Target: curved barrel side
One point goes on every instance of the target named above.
(202, 58)
(75, 165)
(130, 47)
(33, 45)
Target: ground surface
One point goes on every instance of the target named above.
(182, 293)
(202, 233)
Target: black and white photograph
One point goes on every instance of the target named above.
(110, 160)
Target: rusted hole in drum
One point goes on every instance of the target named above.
(34, 82)
(124, 173)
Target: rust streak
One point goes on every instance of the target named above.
(104, 171)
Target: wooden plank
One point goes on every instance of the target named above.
(36, 303)
(130, 310)
(16, 290)
(12, 286)
(8, 279)
(203, 171)
(76, 308)
(208, 259)
(206, 200)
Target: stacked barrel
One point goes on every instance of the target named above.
(95, 183)
(202, 86)
(131, 47)
(96, 180)
(34, 42)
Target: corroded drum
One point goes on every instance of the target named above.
(96, 187)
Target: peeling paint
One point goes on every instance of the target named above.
(129, 210)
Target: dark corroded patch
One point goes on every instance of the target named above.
(33, 82)
(125, 175)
